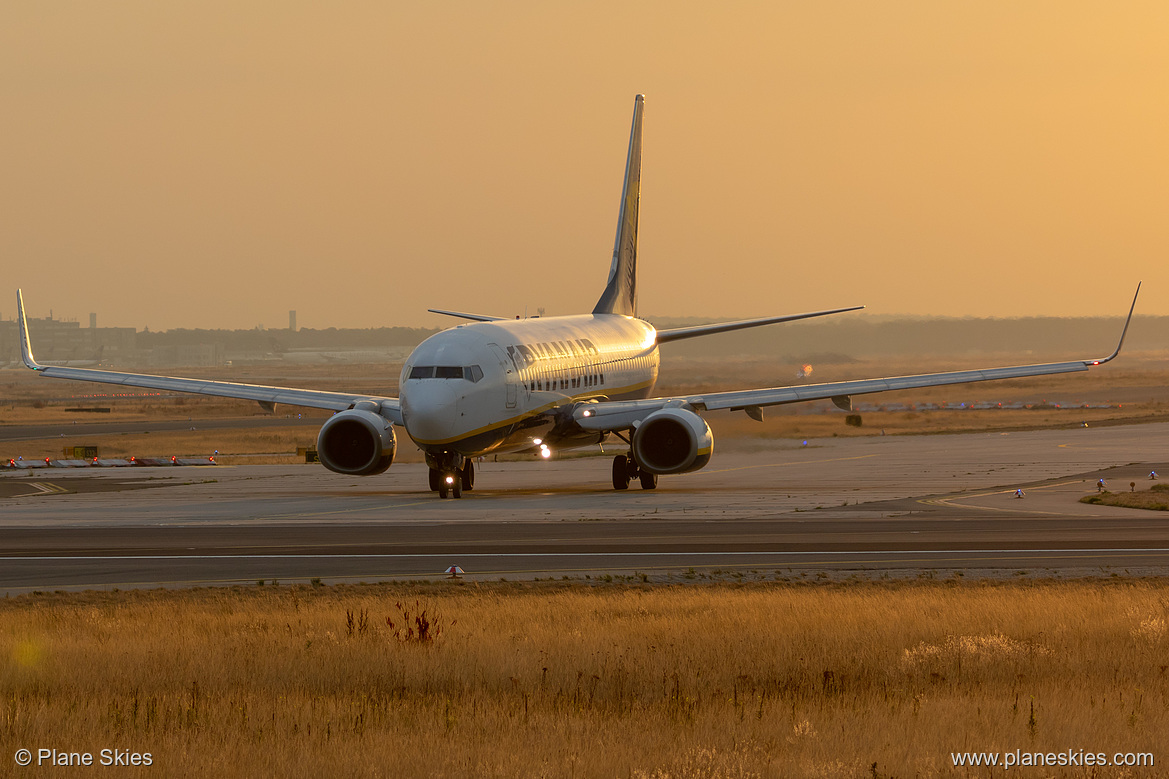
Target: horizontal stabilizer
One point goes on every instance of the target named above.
(677, 334)
(472, 317)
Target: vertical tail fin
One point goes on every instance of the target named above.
(620, 296)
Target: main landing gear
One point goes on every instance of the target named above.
(452, 481)
(625, 470)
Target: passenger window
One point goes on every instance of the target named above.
(422, 372)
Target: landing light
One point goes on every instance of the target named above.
(587, 413)
(545, 452)
(450, 480)
(538, 441)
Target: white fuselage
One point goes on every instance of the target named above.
(497, 386)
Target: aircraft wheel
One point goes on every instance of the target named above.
(649, 481)
(443, 490)
(468, 476)
(620, 472)
(457, 487)
(435, 478)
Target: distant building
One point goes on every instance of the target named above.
(200, 355)
(55, 340)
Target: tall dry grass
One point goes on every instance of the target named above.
(564, 680)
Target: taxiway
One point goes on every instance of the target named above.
(907, 503)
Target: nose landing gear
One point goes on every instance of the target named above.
(451, 484)
(451, 474)
(625, 470)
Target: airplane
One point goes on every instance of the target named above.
(541, 384)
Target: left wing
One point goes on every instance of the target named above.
(265, 396)
(622, 415)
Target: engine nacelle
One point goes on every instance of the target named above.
(357, 443)
(672, 440)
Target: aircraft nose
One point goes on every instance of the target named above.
(430, 410)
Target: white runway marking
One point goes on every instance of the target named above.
(496, 555)
(46, 488)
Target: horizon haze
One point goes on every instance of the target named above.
(170, 166)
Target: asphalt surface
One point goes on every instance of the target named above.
(85, 428)
(867, 506)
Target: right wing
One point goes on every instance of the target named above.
(265, 396)
(626, 414)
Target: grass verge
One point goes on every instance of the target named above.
(561, 679)
(1156, 498)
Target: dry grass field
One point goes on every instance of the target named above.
(1155, 498)
(560, 679)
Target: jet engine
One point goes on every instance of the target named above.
(357, 443)
(672, 440)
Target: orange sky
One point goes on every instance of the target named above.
(215, 164)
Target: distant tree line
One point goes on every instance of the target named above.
(285, 340)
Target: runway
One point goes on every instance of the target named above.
(842, 506)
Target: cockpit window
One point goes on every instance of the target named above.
(472, 372)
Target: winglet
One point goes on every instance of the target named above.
(620, 295)
(25, 343)
(1122, 332)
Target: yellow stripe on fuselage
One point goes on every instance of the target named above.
(527, 415)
